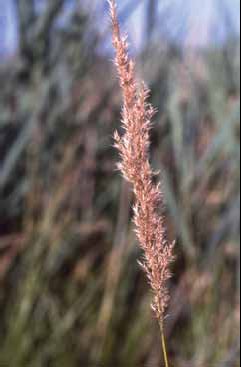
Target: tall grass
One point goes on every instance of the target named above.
(71, 292)
(134, 147)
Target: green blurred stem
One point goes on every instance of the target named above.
(163, 341)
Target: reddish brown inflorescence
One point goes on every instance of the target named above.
(135, 166)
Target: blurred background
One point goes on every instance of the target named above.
(71, 291)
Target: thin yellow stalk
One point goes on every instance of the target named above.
(164, 347)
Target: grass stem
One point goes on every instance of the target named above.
(164, 347)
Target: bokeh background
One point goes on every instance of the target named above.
(71, 291)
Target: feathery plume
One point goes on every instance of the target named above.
(135, 166)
